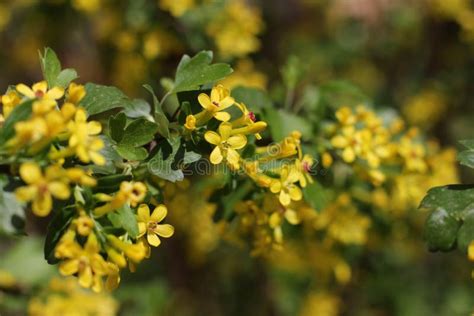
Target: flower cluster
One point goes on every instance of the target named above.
(53, 148)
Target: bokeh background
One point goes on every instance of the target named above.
(413, 56)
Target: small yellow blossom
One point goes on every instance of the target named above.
(286, 187)
(130, 192)
(40, 91)
(83, 141)
(177, 7)
(84, 224)
(87, 262)
(75, 93)
(215, 104)
(226, 145)
(150, 224)
(135, 252)
(303, 170)
(41, 187)
(9, 101)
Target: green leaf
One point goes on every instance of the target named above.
(196, 71)
(132, 153)
(468, 143)
(441, 230)
(117, 126)
(51, 66)
(166, 168)
(254, 98)
(56, 228)
(466, 232)
(65, 77)
(101, 98)
(190, 157)
(466, 158)
(338, 93)
(456, 200)
(315, 195)
(281, 123)
(139, 133)
(12, 215)
(112, 158)
(160, 116)
(20, 113)
(139, 108)
(125, 218)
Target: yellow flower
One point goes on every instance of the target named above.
(78, 175)
(215, 104)
(130, 192)
(84, 224)
(41, 188)
(350, 141)
(303, 169)
(226, 145)
(87, 6)
(135, 252)
(327, 160)
(470, 251)
(150, 224)
(82, 141)
(345, 116)
(413, 154)
(235, 29)
(290, 146)
(248, 119)
(276, 220)
(286, 187)
(87, 262)
(177, 7)
(190, 122)
(76, 93)
(40, 91)
(10, 101)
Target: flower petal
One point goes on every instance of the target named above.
(55, 93)
(233, 156)
(153, 239)
(205, 102)
(216, 156)
(93, 128)
(164, 230)
(224, 130)
(143, 213)
(40, 86)
(295, 193)
(237, 141)
(222, 116)
(159, 213)
(212, 138)
(284, 198)
(42, 205)
(85, 277)
(226, 102)
(141, 229)
(25, 90)
(26, 194)
(69, 267)
(59, 190)
(30, 172)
